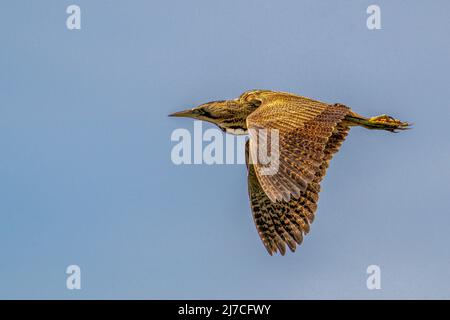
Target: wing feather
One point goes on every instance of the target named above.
(279, 223)
(304, 126)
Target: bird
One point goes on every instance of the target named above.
(310, 132)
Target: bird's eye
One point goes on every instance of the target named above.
(201, 112)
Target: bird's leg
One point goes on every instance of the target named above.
(382, 122)
(388, 123)
(384, 119)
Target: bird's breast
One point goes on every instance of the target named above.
(236, 131)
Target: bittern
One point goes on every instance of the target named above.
(310, 132)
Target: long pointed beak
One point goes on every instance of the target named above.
(183, 114)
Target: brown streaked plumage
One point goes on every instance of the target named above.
(310, 133)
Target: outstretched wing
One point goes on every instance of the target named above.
(304, 126)
(280, 223)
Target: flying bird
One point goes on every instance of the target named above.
(310, 132)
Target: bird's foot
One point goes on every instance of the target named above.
(388, 123)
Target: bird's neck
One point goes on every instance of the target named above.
(235, 120)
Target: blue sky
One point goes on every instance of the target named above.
(86, 176)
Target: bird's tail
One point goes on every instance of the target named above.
(382, 122)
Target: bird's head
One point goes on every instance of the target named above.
(228, 115)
